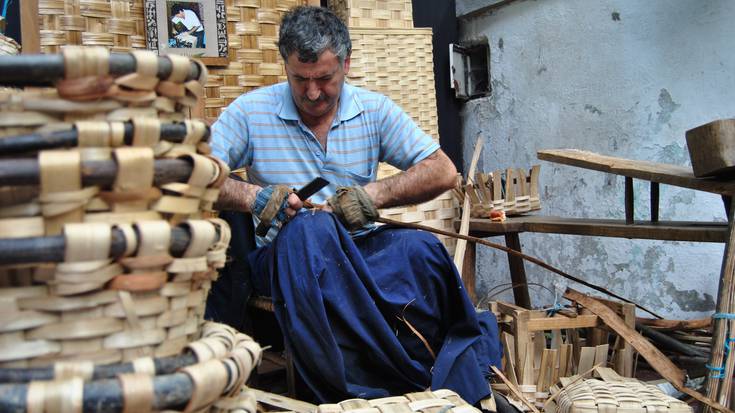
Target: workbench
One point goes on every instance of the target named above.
(654, 173)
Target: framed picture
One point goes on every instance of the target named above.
(196, 28)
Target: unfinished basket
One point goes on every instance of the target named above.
(426, 402)
(610, 395)
(104, 254)
(209, 375)
(513, 192)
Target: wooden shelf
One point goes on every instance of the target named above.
(650, 171)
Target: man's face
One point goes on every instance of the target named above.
(180, 13)
(316, 86)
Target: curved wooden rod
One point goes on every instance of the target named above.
(519, 254)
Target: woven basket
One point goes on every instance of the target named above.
(426, 402)
(105, 255)
(209, 375)
(629, 396)
(8, 46)
(396, 14)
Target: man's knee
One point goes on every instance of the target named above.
(311, 224)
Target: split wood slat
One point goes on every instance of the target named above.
(283, 402)
(565, 353)
(586, 358)
(653, 356)
(651, 171)
(464, 227)
(510, 358)
(601, 354)
(513, 389)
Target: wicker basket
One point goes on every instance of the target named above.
(426, 402)
(395, 14)
(612, 394)
(105, 255)
(209, 375)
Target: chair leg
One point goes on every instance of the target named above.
(290, 373)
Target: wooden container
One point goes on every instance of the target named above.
(712, 148)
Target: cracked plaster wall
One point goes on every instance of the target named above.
(624, 78)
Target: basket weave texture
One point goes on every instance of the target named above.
(593, 396)
(395, 14)
(426, 402)
(92, 303)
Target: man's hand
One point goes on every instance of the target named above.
(274, 205)
(353, 207)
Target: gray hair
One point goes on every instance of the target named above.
(309, 31)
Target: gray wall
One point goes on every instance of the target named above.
(625, 78)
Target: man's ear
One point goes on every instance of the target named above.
(346, 66)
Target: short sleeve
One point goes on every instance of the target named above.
(402, 143)
(230, 137)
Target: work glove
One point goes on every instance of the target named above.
(353, 206)
(270, 207)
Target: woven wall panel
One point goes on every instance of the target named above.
(397, 14)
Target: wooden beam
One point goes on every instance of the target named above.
(650, 171)
(662, 230)
(557, 323)
(517, 272)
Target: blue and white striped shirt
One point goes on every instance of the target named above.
(261, 131)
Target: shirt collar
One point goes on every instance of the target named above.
(349, 104)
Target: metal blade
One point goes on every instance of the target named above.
(311, 188)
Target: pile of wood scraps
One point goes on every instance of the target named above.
(498, 194)
(540, 348)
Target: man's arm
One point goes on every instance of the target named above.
(240, 196)
(422, 182)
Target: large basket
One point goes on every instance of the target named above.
(104, 251)
(208, 376)
(395, 14)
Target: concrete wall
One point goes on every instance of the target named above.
(625, 78)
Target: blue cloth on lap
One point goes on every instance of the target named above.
(341, 304)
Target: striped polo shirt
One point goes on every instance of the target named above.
(261, 132)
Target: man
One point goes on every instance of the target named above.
(187, 25)
(366, 311)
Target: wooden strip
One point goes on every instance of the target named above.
(555, 323)
(601, 354)
(565, 353)
(283, 402)
(513, 389)
(586, 359)
(464, 227)
(30, 31)
(676, 325)
(510, 358)
(653, 356)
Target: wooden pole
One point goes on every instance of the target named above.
(34, 250)
(11, 145)
(26, 172)
(45, 70)
(722, 330)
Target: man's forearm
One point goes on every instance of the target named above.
(422, 182)
(236, 196)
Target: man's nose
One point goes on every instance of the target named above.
(312, 91)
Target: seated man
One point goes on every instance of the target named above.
(366, 311)
(187, 26)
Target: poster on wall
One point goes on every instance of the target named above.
(195, 28)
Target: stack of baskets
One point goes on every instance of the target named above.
(442, 400)
(106, 251)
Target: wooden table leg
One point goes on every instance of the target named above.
(517, 272)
